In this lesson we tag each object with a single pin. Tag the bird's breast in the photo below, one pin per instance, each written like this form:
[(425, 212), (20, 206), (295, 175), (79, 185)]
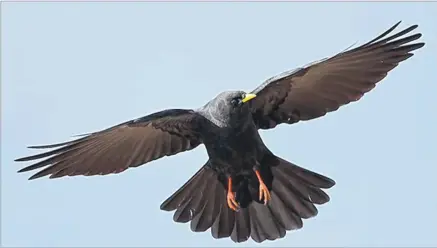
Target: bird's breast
[(236, 150)]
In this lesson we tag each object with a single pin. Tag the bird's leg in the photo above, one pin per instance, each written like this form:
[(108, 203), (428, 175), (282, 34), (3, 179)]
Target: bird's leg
[(232, 203), (264, 192)]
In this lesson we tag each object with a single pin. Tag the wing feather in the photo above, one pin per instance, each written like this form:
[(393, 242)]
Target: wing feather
[(323, 87), (115, 149)]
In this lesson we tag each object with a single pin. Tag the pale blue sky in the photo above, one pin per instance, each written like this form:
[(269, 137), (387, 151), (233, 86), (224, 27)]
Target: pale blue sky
[(74, 68)]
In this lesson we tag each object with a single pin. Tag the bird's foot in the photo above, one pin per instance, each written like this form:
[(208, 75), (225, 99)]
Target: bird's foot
[(264, 193), (232, 203)]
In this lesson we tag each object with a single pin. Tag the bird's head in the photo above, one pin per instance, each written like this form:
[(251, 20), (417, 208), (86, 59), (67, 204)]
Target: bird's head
[(230, 107), (234, 100)]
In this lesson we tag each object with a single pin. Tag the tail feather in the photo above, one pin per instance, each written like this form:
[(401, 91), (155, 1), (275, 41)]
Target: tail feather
[(310, 193), (202, 200), (224, 223), (264, 225), (193, 204), (307, 176), (182, 216), (287, 217), (299, 188), (302, 186), (206, 217), (291, 199), (294, 193), (241, 230), (255, 231), (184, 192)]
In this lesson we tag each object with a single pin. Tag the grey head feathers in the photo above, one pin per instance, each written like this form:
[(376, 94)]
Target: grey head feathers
[(226, 109)]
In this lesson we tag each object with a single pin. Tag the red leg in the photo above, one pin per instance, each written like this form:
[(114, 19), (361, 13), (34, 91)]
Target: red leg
[(232, 203), (263, 190)]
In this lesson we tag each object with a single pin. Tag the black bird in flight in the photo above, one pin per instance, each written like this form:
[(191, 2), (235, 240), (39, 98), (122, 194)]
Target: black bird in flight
[(243, 190)]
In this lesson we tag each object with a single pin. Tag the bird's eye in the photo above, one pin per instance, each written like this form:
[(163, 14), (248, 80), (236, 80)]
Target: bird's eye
[(235, 102)]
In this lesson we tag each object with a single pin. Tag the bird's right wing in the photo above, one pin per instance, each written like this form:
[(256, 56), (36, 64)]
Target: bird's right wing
[(115, 149), (323, 87)]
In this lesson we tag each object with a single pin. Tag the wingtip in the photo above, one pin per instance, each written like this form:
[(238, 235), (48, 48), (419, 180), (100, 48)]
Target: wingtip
[(19, 159), (33, 147), (23, 170), (31, 178), (165, 207), (396, 25), (332, 183), (23, 159), (42, 146), (81, 135), (412, 27)]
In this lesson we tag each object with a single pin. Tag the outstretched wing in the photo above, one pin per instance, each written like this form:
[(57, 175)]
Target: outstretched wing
[(313, 91), (115, 149)]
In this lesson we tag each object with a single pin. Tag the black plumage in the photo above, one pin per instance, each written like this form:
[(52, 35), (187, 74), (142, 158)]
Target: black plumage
[(243, 190)]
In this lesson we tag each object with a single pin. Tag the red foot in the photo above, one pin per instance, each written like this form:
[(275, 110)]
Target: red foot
[(264, 192), (232, 203)]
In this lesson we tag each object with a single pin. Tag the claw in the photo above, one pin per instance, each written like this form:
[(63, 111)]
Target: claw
[(232, 203), (264, 193)]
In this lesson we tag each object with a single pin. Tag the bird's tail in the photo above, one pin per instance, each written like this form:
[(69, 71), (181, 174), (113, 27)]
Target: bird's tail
[(295, 190), (202, 200), (294, 193)]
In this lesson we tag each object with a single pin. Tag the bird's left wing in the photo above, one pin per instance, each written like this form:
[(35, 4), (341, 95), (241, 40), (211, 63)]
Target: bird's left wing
[(313, 91), (115, 149)]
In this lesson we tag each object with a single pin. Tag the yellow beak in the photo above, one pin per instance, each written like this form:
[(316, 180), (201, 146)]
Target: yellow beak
[(248, 97)]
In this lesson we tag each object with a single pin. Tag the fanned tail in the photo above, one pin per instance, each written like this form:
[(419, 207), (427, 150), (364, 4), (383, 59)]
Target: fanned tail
[(294, 193)]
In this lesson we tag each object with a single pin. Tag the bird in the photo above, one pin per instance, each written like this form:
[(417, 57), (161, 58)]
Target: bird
[(243, 191)]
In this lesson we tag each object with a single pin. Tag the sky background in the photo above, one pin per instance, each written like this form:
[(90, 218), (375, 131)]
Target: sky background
[(72, 68)]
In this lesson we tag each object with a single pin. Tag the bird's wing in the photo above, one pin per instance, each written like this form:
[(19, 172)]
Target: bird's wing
[(313, 91), (115, 149)]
